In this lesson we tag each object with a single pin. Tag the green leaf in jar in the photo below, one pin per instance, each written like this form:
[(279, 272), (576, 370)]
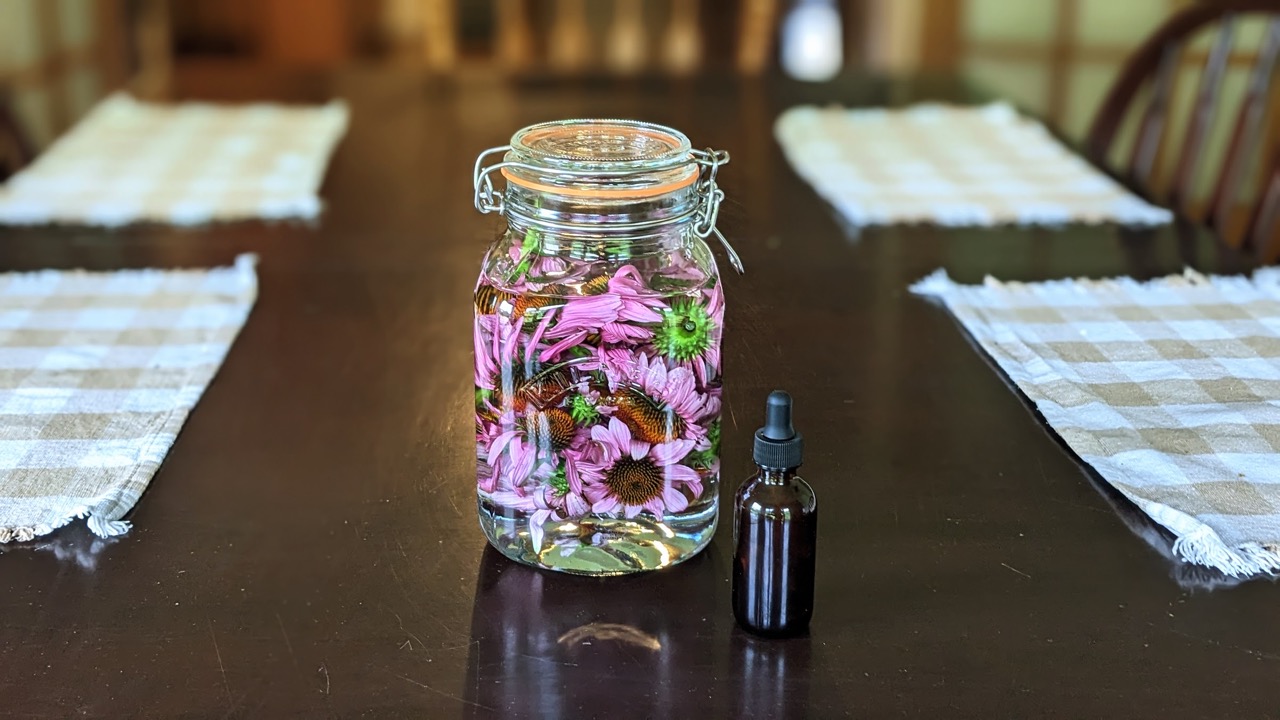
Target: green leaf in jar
[(583, 411), (528, 250), (558, 481)]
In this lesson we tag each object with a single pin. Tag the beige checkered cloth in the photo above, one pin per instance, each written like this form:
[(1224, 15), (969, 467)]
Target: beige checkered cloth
[(1170, 389), (957, 166), (97, 374), (183, 164)]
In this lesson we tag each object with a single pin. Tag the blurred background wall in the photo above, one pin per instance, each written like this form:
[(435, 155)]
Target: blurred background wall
[(1054, 58)]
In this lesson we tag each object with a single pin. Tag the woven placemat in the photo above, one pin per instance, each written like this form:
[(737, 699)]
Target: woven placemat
[(959, 166), (182, 164), (1169, 389), (98, 371)]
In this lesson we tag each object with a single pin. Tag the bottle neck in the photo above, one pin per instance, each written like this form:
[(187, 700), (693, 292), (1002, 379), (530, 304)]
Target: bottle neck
[(776, 476)]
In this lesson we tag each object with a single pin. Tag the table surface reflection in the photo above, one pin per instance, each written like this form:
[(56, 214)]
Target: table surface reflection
[(310, 548)]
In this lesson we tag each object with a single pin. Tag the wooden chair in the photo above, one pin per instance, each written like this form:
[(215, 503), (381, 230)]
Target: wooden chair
[(45, 92), (149, 27), (16, 149), (571, 41), (1156, 65)]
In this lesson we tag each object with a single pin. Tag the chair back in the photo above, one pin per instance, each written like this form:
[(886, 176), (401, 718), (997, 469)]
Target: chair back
[(57, 59), (15, 149), (613, 37), (1212, 161)]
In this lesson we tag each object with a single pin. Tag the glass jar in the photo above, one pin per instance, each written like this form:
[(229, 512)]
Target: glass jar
[(598, 318)]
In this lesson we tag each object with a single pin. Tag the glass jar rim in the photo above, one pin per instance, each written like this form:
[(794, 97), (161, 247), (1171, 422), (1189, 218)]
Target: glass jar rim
[(603, 159), (605, 145)]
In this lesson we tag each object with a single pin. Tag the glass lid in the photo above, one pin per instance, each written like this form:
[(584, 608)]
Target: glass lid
[(601, 158), (601, 145)]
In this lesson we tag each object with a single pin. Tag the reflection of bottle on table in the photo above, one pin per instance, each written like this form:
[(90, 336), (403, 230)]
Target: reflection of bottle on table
[(775, 532), (775, 677)]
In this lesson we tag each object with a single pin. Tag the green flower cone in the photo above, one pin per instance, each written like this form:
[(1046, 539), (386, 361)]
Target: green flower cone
[(685, 332)]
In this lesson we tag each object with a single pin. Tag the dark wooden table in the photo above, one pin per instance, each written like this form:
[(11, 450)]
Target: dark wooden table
[(310, 547)]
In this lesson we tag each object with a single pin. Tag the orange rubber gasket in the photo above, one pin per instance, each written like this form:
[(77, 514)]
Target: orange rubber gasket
[(605, 192)]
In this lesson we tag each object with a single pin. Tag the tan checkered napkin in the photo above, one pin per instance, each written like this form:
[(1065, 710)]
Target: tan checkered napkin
[(960, 166), (184, 164), (97, 374), (1170, 389)]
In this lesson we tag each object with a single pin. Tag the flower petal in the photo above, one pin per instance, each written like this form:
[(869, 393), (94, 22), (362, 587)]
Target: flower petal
[(537, 334), (535, 528), (486, 368), (510, 337), (620, 433), (514, 500), (571, 474), (675, 500), (627, 277), (487, 477), (682, 393), (636, 311), (710, 406), (669, 453), (501, 441), (682, 474), (594, 493), (654, 506), (630, 511), (715, 301), (605, 505), (575, 506), (655, 379), (590, 471), (588, 312), (552, 266), (621, 333), (522, 456), (562, 345), (694, 488)]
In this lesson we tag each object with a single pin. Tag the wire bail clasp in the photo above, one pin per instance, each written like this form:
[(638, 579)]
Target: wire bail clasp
[(487, 199), (711, 196)]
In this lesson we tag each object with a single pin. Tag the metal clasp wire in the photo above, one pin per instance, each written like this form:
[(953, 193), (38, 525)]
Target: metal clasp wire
[(712, 196), (488, 200)]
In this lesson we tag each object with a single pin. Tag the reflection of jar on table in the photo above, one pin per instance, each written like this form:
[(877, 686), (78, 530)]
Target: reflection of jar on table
[(555, 646)]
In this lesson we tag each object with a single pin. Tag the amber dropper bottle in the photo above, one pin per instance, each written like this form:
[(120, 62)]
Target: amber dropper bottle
[(775, 532)]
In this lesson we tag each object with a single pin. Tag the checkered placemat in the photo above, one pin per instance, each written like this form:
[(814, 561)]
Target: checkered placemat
[(1170, 389), (960, 166), (97, 374), (183, 164)]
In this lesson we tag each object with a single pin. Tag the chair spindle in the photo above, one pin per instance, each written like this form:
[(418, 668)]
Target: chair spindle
[(1146, 146), (1202, 116), (1246, 136)]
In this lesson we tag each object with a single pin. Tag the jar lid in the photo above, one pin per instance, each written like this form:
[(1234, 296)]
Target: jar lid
[(604, 162), (601, 144), (601, 158)]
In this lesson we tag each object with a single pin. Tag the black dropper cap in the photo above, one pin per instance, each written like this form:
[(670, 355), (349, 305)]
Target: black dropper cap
[(778, 445)]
